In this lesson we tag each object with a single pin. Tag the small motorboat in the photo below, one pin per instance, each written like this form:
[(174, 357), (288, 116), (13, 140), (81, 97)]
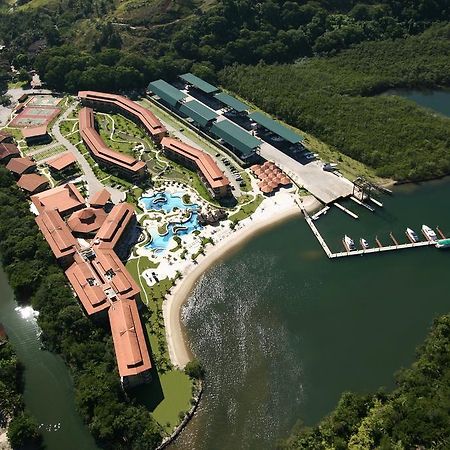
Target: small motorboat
[(364, 244), (349, 244), (429, 233), (412, 235)]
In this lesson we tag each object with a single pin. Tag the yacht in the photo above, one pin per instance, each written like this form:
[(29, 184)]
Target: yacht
[(349, 244), (364, 244), (429, 233), (412, 235), (443, 243)]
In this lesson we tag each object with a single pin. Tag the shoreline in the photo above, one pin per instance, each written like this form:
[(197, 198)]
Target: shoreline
[(179, 351)]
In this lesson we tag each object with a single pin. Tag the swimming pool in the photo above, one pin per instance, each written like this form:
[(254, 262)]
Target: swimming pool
[(164, 201), (167, 202)]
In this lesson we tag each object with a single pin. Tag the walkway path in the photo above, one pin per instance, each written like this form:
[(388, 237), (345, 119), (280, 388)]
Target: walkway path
[(93, 182)]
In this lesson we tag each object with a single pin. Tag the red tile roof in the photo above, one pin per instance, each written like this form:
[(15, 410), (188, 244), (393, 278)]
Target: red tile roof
[(129, 339), (99, 149), (63, 198), (4, 136), (86, 220), (20, 165), (150, 122), (100, 198), (62, 161), (202, 160), (31, 132), (31, 182), (8, 150), (114, 225), (56, 233)]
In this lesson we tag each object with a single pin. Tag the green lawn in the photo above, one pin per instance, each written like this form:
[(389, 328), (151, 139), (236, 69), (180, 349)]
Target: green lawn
[(177, 390), (247, 210), (49, 152)]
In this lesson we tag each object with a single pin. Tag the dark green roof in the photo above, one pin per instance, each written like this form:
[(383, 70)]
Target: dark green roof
[(198, 112), (235, 136), (199, 83), (166, 91), (276, 127), (232, 102)]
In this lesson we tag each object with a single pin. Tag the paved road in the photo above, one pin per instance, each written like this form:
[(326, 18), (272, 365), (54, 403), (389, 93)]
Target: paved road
[(94, 184), (325, 186)]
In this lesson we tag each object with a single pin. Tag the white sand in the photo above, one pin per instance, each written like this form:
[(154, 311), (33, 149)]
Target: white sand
[(263, 218)]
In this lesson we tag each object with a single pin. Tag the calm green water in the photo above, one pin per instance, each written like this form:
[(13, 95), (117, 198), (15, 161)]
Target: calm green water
[(48, 392), (282, 331), (437, 100)]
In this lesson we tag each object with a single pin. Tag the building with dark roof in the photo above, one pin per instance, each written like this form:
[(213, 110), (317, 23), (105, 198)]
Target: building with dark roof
[(166, 92), (8, 151), (200, 114), (231, 102), (117, 103), (20, 166), (127, 166), (242, 143), (198, 83), (210, 174), (276, 127), (33, 183)]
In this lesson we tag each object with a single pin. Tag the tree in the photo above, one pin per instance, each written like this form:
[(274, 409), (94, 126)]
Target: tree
[(194, 369), (23, 432)]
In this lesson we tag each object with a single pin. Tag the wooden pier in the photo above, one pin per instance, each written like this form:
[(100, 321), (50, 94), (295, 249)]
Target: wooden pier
[(351, 214), (360, 203), (380, 249)]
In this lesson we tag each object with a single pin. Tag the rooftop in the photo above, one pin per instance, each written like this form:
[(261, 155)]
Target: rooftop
[(31, 182), (200, 84), (62, 161), (20, 165), (235, 136), (204, 162), (100, 198), (198, 112), (129, 339), (31, 132), (232, 102), (8, 150), (166, 91), (87, 220), (56, 233), (276, 127), (62, 198)]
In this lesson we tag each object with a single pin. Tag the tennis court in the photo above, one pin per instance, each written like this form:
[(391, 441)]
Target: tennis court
[(40, 110), (44, 100)]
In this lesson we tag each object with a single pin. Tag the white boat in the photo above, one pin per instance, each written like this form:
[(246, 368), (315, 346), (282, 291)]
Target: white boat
[(412, 235), (429, 233), (364, 244), (349, 243)]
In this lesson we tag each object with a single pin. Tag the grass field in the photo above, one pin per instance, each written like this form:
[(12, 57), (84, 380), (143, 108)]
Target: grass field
[(49, 152), (247, 210)]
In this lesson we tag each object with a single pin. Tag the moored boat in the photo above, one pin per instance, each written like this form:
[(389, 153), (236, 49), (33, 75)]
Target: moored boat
[(443, 243), (349, 244), (412, 235), (364, 244), (429, 233)]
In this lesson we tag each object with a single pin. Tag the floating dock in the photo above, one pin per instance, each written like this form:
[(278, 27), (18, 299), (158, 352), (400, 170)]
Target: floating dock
[(380, 249), (318, 214), (347, 211), (365, 205)]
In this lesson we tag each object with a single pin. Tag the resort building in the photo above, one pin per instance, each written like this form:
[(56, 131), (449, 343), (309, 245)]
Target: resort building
[(36, 135), (20, 166), (5, 137), (126, 165), (33, 183), (193, 158), (100, 199), (8, 151), (58, 236), (96, 274), (65, 199), (62, 163), (102, 101), (271, 177), (132, 356)]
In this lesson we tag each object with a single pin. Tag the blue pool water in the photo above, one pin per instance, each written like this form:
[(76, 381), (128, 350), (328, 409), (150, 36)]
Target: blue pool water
[(163, 201), (167, 202)]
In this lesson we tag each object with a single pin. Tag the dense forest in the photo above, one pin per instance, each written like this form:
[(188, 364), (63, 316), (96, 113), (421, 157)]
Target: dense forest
[(112, 417), (163, 38), (22, 428), (416, 415), (334, 99)]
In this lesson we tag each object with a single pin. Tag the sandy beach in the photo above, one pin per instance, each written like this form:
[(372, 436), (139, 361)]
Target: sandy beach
[(179, 351)]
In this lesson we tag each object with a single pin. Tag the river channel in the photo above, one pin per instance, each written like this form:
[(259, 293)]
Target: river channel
[(48, 394)]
